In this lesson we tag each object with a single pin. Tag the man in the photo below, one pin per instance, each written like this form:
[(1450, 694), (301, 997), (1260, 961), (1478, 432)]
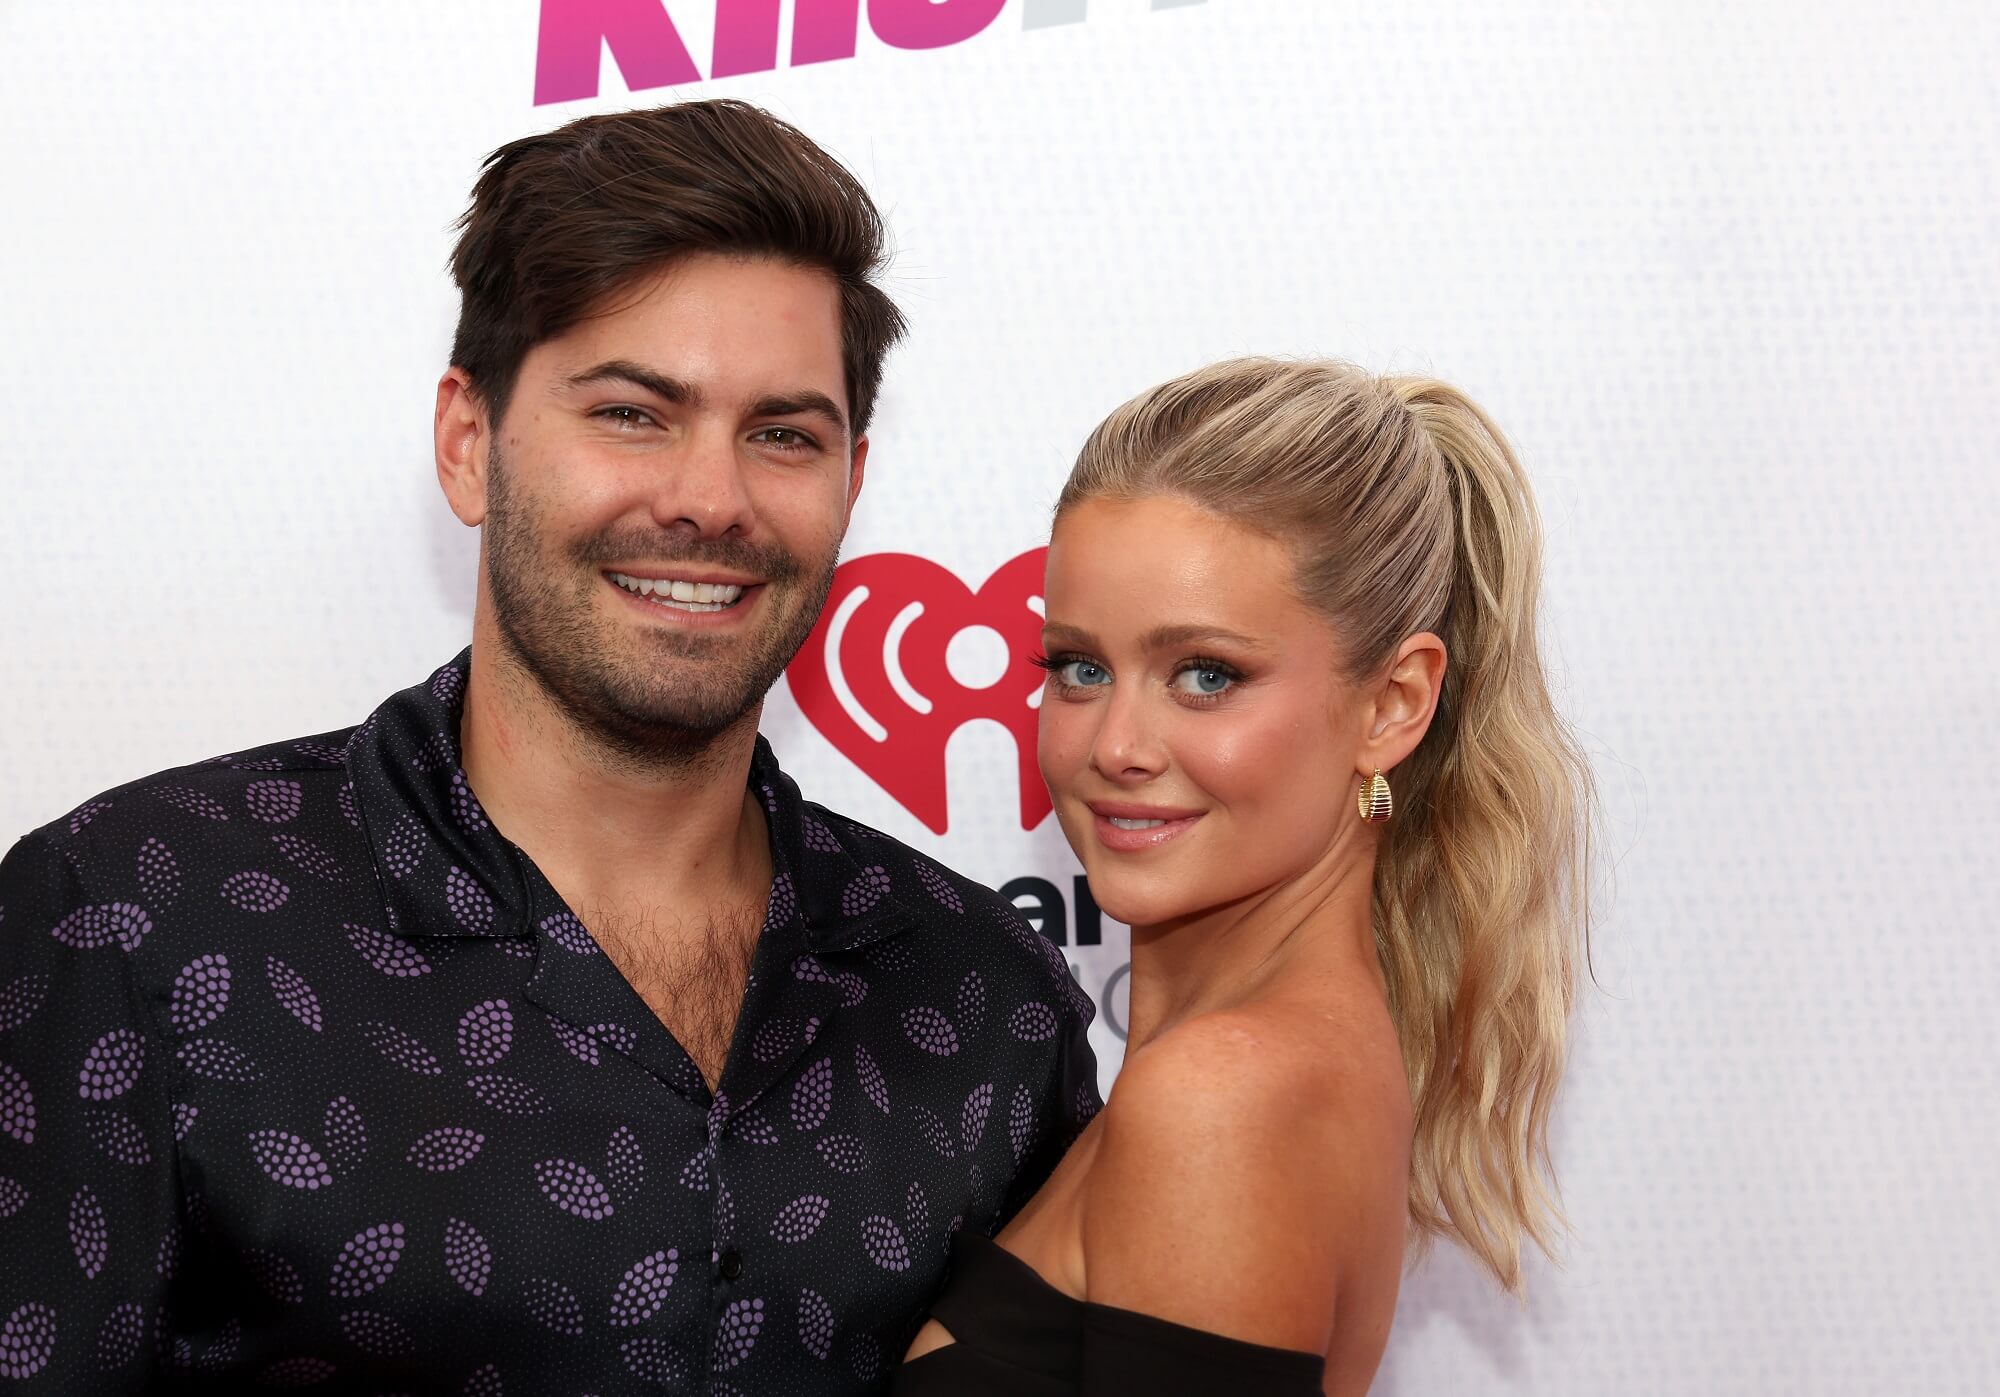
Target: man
[(535, 1035)]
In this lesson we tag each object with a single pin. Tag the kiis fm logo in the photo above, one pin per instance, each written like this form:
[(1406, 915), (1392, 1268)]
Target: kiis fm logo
[(650, 52), (905, 654)]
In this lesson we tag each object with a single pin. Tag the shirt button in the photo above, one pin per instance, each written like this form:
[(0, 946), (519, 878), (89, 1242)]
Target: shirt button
[(732, 1265)]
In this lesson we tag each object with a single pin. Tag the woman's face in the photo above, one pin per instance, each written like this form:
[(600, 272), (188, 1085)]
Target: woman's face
[(1196, 738)]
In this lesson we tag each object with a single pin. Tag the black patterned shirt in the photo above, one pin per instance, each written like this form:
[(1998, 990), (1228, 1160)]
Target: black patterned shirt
[(309, 1079)]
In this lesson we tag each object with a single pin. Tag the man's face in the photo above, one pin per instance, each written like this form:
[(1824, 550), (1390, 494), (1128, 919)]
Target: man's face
[(666, 498)]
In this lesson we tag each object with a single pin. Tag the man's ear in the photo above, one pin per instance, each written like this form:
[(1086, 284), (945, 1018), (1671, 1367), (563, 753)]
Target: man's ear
[(1403, 704), (857, 466), (461, 437)]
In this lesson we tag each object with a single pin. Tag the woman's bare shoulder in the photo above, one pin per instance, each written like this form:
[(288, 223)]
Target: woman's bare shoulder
[(1250, 1160)]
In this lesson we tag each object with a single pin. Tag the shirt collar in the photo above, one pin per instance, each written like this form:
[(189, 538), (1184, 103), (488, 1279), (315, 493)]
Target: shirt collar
[(444, 870)]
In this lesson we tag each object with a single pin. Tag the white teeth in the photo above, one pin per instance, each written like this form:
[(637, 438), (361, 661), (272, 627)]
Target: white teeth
[(1134, 824), (684, 596)]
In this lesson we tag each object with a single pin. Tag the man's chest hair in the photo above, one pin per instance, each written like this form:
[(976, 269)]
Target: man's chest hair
[(689, 969)]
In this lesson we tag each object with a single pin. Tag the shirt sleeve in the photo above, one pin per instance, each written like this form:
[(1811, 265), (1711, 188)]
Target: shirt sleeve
[(1069, 1095), (89, 1200)]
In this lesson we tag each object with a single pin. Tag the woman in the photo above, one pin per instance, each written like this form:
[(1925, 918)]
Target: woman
[(1297, 730)]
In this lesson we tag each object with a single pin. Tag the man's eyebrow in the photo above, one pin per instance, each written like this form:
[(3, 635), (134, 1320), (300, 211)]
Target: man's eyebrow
[(804, 401), (660, 385)]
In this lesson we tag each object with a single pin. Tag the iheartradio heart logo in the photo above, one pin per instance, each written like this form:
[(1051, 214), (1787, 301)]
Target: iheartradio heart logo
[(905, 654)]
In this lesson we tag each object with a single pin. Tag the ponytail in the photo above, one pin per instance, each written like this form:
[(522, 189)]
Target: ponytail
[(1480, 882)]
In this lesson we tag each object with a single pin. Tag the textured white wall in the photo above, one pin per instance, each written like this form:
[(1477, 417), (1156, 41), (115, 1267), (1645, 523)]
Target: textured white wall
[(1725, 271)]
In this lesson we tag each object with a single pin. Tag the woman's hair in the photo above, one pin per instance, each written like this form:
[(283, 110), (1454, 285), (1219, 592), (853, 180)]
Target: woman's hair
[(1408, 512)]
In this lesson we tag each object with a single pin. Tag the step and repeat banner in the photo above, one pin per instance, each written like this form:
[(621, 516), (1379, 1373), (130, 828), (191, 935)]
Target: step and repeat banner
[(1725, 272)]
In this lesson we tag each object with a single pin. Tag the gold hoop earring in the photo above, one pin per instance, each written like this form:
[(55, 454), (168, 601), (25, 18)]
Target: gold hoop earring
[(1375, 800)]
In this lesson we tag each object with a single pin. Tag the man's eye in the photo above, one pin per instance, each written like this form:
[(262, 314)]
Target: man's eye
[(1204, 681), (623, 416), (1083, 674), (784, 438)]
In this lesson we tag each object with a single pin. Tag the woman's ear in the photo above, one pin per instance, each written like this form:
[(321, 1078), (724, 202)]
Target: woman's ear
[(460, 433), (1403, 703)]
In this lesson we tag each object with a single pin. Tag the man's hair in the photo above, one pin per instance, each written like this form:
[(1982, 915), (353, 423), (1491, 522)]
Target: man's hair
[(560, 223)]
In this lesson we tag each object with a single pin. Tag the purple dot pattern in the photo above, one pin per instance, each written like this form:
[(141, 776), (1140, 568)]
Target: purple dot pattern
[(290, 1160), (308, 857), (217, 1060), (119, 1336), (815, 1324), (159, 874), (800, 1218), (345, 1136), (17, 1106), (642, 1290), (123, 924), (972, 1115), (553, 1305), (883, 1240), (574, 1189), (403, 1050), (275, 801), (117, 1135), (255, 891), (1034, 1023), (297, 1371), (391, 955), (294, 994), (441, 1145), (653, 1361), (377, 1334), (935, 1133), (20, 998), (192, 802), (201, 993), (508, 1095), (470, 904), (1021, 1121), (467, 1257), (27, 1339), (844, 1154), (87, 812), (812, 1096), (930, 1030), (737, 1334), (865, 891), (276, 1277), (112, 1066), (569, 933), (485, 1033), (448, 1148), (971, 1002), (576, 1042), (89, 1233), (367, 1261)]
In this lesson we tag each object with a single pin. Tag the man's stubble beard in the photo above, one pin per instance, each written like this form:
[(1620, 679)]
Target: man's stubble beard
[(669, 698)]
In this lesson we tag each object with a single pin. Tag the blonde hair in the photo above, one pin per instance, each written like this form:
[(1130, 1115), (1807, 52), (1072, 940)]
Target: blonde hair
[(1410, 513)]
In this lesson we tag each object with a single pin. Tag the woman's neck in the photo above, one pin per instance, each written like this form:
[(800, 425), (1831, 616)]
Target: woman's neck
[(1296, 934)]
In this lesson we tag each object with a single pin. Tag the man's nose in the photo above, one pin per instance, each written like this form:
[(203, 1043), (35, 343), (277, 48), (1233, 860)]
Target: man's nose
[(704, 490)]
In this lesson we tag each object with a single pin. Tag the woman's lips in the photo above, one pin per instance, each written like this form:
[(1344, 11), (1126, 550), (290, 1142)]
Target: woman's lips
[(1135, 828)]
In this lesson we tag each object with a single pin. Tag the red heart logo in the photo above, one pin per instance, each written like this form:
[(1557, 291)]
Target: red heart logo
[(905, 654)]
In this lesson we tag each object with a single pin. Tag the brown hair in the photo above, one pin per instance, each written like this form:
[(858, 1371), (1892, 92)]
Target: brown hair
[(1408, 512), (561, 222)]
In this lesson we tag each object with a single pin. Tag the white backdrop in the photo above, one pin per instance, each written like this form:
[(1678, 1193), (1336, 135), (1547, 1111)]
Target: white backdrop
[(1726, 272)]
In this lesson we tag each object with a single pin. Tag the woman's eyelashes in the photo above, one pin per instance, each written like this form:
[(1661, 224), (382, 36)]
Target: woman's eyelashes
[(1195, 680)]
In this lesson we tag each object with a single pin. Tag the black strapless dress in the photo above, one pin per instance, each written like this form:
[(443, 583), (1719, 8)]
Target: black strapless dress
[(1018, 1336)]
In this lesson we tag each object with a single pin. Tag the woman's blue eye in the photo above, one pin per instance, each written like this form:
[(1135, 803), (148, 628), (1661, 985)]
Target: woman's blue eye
[(1083, 674), (1205, 682)]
